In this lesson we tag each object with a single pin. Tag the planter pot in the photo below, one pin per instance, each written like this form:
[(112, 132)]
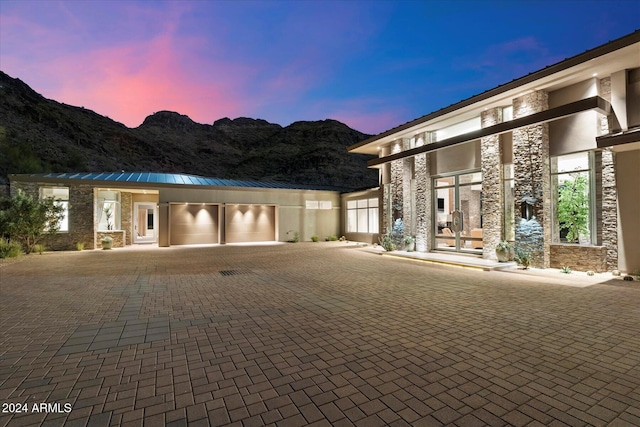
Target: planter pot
[(503, 255), (107, 244)]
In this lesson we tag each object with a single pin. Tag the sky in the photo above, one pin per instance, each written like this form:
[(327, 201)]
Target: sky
[(370, 64)]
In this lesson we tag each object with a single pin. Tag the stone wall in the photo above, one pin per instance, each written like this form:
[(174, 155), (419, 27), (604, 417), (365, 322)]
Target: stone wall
[(579, 258), (492, 185), (118, 236), (126, 212), (609, 212), (424, 229), (531, 178)]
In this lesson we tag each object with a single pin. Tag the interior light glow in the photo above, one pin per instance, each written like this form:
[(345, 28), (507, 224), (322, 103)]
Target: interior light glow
[(594, 74)]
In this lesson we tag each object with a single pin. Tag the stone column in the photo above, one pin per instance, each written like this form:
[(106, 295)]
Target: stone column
[(386, 196), (492, 187), (532, 179), (422, 173), (609, 209), (397, 193), (407, 176)]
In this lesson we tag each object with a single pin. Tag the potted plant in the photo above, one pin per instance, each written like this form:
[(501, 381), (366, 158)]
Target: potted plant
[(409, 244), (503, 251), (107, 242)]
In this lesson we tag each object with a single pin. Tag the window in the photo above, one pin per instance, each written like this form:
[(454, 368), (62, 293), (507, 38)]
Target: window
[(509, 203), (362, 216), (572, 191), (61, 196), (318, 204), (458, 129), (109, 214)]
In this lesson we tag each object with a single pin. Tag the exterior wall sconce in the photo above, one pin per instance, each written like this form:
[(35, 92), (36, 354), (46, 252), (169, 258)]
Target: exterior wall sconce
[(526, 207)]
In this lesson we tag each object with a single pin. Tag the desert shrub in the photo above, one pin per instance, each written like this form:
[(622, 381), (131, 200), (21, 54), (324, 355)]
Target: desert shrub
[(80, 246), (39, 248), (331, 238), (9, 249), (27, 220), (315, 238), (523, 257), (387, 243)]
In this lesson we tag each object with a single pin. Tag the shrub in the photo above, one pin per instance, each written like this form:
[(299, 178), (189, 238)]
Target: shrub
[(80, 246), (9, 249), (387, 243), (565, 270), (523, 257), (315, 238), (331, 238), (26, 220), (39, 248)]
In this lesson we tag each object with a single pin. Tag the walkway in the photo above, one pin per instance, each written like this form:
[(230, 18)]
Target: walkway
[(309, 334)]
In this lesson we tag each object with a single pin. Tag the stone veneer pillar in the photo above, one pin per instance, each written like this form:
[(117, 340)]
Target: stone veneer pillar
[(126, 213), (397, 191), (609, 208), (492, 185), (424, 228), (532, 179)]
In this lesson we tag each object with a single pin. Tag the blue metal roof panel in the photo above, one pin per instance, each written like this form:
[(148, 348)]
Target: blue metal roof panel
[(178, 179)]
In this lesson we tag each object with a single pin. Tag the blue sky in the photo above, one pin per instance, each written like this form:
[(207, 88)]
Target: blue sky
[(370, 64)]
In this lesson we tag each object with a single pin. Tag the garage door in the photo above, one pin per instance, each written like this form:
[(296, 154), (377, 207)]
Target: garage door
[(250, 223), (193, 224)]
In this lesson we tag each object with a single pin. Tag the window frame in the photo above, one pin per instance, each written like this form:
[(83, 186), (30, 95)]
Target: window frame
[(359, 210), (64, 222), (554, 187)]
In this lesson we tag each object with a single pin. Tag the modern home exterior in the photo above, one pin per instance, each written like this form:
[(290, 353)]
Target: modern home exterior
[(549, 161), (176, 209)]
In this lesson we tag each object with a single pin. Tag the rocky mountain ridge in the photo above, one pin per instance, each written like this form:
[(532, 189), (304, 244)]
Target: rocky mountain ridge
[(42, 135)]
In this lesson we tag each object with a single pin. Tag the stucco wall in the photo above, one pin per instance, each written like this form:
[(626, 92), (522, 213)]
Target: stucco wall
[(628, 177)]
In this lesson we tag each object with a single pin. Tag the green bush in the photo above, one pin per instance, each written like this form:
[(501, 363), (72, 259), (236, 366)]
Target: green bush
[(523, 257), (387, 243), (9, 249), (80, 246), (27, 220), (39, 248), (315, 238), (331, 238)]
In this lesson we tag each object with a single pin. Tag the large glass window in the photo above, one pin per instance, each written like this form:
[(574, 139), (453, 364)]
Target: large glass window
[(572, 193), (362, 216), (61, 196), (109, 210)]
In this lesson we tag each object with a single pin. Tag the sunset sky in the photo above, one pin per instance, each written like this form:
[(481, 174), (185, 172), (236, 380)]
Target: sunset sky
[(370, 64)]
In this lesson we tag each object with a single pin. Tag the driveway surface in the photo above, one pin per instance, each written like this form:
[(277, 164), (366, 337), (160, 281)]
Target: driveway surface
[(299, 334)]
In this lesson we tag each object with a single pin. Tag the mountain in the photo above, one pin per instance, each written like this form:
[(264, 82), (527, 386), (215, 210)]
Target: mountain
[(42, 135)]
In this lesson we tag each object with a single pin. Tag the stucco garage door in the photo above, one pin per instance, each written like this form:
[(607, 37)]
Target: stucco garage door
[(193, 224), (250, 223)]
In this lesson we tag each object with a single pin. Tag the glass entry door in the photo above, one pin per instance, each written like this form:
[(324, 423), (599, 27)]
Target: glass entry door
[(145, 223), (458, 212)]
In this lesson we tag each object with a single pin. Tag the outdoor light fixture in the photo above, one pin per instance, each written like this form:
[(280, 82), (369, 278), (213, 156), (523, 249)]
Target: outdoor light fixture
[(526, 207)]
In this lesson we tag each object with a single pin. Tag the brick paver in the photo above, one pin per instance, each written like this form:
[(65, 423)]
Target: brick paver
[(301, 334)]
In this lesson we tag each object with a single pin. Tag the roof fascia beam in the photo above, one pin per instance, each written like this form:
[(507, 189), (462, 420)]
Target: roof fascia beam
[(593, 103)]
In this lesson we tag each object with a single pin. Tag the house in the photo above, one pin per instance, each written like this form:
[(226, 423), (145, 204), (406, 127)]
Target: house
[(175, 209), (548, 161)]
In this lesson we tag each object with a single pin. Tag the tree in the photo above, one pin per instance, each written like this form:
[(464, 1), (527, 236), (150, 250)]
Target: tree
[(573, 206), (27, 220)]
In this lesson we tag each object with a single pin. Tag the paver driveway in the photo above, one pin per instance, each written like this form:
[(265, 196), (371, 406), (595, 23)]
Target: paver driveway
[(308, 333)]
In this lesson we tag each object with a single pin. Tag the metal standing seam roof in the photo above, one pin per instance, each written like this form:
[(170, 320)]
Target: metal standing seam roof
[(176, 179)]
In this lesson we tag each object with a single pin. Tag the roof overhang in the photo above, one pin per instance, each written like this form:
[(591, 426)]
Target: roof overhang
[(623, 141), (594, 103), (619, 54)]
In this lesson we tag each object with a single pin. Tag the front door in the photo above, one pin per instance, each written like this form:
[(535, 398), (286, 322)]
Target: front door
[(458, 212), (145, 223)]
